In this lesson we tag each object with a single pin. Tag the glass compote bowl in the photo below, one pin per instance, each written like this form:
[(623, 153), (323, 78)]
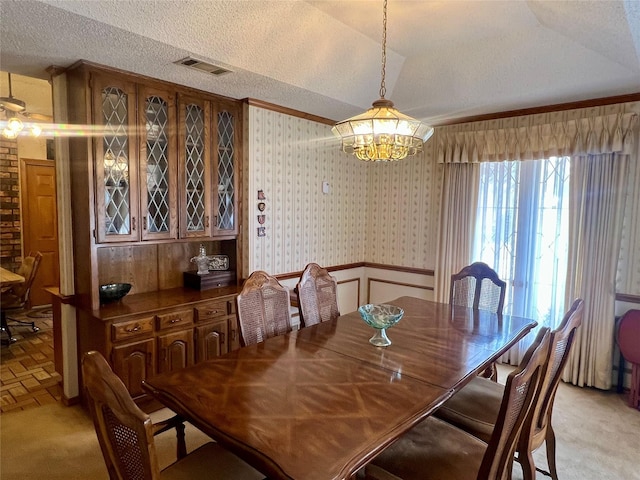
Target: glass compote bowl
[(380, 317)]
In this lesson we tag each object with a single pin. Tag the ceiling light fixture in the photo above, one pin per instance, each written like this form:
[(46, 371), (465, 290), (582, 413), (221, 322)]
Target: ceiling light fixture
[(13, 126), (382, 133)]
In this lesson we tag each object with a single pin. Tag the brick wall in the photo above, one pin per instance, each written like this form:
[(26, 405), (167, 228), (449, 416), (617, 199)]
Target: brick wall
[(10, 226)]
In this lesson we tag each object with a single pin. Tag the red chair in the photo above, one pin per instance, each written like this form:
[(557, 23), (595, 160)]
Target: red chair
[(629, 344)]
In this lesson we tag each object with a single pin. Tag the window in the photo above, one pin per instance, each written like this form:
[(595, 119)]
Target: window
[(522, 232)]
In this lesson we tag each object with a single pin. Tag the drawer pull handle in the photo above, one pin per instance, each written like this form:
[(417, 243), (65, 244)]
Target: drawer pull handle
[(175, 320), (137, 328), (212, 312)]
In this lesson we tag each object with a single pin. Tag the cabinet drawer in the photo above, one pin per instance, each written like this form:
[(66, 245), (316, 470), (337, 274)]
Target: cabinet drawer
[(211, 310), (131, 329), (176, 319)]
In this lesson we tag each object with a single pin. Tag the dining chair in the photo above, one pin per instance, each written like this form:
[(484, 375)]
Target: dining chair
[(628, 338), (478, 286), (16, 298), (475, 408), (317, 296), (437, 450), (262, 309), (126, 435)]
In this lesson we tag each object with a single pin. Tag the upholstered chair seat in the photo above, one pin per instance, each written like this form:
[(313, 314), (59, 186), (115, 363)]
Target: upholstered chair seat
[(438, 449)]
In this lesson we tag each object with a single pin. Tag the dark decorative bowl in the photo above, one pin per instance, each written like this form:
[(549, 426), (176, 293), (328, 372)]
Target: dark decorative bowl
[(112, 292), (380, 317)]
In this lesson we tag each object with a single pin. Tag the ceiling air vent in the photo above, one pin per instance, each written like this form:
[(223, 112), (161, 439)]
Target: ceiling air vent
[(202, 66)]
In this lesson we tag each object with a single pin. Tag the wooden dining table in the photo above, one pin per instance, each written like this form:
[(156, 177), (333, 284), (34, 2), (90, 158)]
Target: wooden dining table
[(9, 278), (320, 402)]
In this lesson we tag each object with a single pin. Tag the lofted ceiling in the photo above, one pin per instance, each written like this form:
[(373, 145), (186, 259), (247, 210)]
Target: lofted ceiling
[(446, 59)]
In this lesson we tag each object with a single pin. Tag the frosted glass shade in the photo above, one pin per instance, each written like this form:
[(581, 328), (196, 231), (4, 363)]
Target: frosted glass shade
[(382, 134)]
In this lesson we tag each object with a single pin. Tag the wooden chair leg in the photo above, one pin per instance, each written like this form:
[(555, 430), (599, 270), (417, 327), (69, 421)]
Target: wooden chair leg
[(550, 441), (182, 446), (527, 464), (491, 372)]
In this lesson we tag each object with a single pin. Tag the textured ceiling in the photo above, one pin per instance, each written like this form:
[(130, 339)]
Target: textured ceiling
[(446, 59)]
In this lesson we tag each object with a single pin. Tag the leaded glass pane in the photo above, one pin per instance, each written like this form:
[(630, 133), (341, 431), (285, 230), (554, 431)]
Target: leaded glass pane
[(225, 171), (115, 147), (156, 111), (194, 167)]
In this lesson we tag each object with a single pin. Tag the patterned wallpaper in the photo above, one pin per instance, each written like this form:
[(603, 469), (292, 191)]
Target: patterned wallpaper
[(382, 213), (289, 158), (403, 211)]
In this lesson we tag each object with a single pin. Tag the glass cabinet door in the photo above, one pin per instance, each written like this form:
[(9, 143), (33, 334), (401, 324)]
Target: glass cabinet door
[(158, 164), (226, 120), (194, 155), (115, 161)]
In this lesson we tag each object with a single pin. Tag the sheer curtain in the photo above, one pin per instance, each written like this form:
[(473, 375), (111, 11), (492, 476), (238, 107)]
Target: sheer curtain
[(521, 231)]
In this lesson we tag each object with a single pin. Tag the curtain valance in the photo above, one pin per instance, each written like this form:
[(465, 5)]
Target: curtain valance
[(613, 133)]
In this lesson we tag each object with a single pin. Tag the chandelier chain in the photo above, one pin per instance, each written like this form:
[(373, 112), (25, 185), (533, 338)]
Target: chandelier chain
[(383, 87)]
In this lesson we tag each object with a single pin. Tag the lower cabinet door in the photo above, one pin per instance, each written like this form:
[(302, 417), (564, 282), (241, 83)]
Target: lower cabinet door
[(211, 340), (234, 334), (175, 351), (133, 363)]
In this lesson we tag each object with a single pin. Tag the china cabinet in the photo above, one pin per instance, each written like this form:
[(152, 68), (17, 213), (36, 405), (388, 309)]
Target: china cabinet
[(156, 175)]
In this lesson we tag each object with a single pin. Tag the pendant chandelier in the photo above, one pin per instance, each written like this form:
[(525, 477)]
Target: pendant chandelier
[(382, 133)]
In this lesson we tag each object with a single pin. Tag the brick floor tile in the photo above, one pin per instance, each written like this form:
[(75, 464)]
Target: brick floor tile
[(17, 369), (18, 391), (9, 385), (31, 384), (45, 398), (26, 403), (6, 375), (42, 375), (6, 399)]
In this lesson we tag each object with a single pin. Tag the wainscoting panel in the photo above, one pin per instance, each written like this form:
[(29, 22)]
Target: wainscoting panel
[(384, 285), (381, 291), (349, 295)]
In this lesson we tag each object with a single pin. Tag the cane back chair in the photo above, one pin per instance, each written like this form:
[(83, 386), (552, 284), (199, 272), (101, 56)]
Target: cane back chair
[(478, 286), (317, 296), (262, 309), (475, 408)]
